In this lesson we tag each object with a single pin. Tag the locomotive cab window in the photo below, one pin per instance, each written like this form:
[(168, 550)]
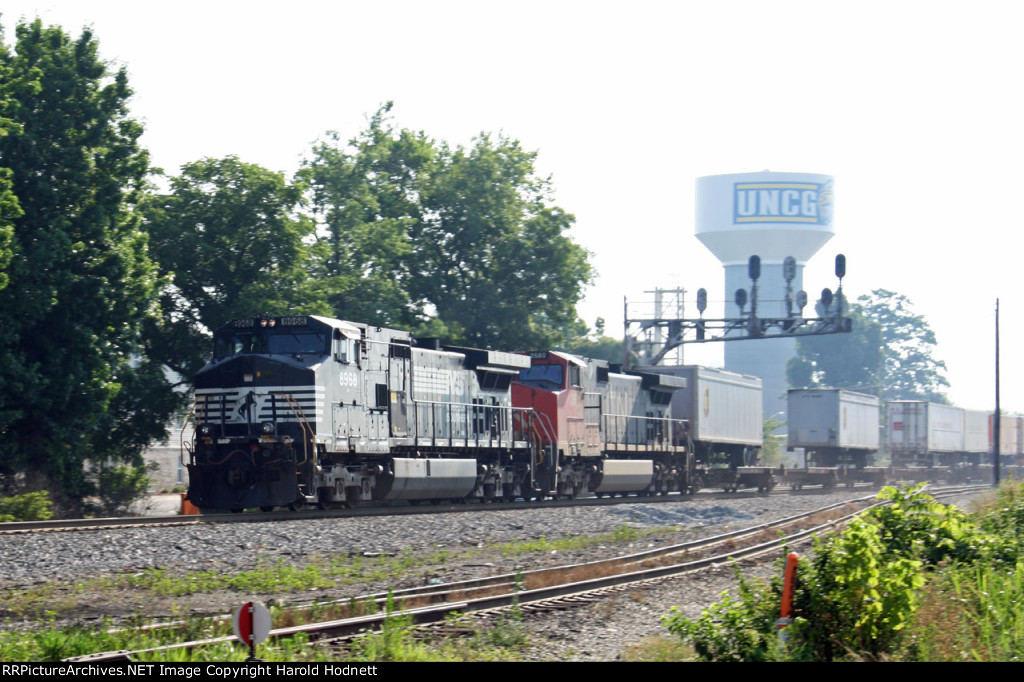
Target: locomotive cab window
[(270, 342), (344, 349), (287, 342), (236, 343), (548, 377)]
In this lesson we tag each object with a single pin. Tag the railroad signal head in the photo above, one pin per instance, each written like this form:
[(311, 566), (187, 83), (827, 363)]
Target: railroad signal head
[(840, 266), (801, 299), (754, 268), (789, 269), (826, 296), (741, 298), (702, 300)]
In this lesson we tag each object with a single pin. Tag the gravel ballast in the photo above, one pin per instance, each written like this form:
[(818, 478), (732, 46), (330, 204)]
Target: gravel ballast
[(599, 632)]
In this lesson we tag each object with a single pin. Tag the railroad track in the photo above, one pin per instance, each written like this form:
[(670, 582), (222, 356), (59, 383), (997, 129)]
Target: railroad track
[(558, 587), (64, 525)]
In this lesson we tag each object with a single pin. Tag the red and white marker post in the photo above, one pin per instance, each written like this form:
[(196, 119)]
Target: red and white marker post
[(251, 625)]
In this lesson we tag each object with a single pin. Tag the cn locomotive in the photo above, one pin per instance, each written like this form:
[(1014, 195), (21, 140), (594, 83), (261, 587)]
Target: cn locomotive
[(299, 410)]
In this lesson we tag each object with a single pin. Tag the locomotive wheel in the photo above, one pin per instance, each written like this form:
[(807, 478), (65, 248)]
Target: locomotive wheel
[(351, 497), (266, 509), (237, 510)]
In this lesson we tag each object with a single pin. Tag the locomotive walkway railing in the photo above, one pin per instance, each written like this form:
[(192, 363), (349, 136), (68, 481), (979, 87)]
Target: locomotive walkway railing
[(628, 432), (466, 424)]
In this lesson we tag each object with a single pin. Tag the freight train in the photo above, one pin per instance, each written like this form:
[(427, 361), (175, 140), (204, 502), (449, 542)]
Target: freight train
[(308, 410)]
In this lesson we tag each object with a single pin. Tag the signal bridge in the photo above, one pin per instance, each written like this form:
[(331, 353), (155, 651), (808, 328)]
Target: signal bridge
[(650, 339)]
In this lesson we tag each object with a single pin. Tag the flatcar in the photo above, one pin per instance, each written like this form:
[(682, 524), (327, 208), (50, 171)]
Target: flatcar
[(933, 441)]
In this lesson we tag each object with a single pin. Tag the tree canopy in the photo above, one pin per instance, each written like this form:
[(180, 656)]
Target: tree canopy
[(228, 243), (460, 243), (109, 287), (73, 382), (889, 353), (365, 197)]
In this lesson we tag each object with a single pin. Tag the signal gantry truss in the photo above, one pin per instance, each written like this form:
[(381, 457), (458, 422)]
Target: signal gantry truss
[(655, 337)]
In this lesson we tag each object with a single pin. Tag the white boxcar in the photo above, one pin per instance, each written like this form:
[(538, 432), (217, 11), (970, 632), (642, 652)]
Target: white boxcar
[(721, 406), (919, 427), (832, 418)]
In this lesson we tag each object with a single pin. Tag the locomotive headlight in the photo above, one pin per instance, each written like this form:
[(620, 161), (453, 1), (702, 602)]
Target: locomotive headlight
[(267, 427), (205, 430)]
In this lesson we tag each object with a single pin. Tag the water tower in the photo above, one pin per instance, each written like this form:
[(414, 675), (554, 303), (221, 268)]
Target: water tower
[(772, 215)]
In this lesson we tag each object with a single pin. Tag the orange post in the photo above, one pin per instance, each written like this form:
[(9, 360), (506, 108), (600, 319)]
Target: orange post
[(788, 585)]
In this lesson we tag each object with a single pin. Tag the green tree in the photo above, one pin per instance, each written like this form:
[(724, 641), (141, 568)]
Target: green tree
[(889, 353), (79, 283), (460, 244), (365, 198), (9, 208), (853, 361), (492, 254), (229, 243), (910, 369)]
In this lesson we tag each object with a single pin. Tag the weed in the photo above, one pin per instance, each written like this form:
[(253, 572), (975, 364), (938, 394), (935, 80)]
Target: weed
[(659, 650)]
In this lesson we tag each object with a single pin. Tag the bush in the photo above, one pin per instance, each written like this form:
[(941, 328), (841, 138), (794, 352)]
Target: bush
[(27, 507), (118, 486), (855, 594), (735, 629)]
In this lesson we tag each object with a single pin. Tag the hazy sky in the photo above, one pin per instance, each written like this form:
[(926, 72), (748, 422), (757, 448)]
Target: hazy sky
[(914, 107)]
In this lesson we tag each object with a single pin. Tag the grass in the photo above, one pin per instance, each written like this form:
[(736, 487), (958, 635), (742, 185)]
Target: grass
[(659, 650), (621, 535), (500, 640)]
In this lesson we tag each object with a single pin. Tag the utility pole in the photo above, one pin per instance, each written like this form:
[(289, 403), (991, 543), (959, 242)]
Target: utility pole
[(996, 426)]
